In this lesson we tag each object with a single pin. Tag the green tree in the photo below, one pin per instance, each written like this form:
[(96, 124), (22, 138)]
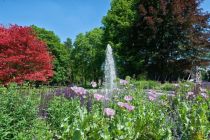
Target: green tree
[(161, 37), (61, 55), (118, 25), (69, 46), (88, 56), (68, 43)]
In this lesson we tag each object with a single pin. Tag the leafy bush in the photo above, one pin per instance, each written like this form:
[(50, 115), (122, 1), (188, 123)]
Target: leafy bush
[(17, 113), (168, 87), (147, 84), (59, 108), (39, 131)]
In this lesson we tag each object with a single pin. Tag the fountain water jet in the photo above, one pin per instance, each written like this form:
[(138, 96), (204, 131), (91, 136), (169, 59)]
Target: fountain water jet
[(110, 72)]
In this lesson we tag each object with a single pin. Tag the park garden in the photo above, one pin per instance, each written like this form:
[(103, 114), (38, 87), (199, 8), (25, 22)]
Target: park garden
[(143, 75)]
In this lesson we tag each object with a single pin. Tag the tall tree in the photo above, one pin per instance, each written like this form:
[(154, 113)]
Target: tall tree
[(88, 56), (68, 43), (118, 25), (69, 46), (173, 36), (164, 37), (61, 55), (23, 57), (81, 57)]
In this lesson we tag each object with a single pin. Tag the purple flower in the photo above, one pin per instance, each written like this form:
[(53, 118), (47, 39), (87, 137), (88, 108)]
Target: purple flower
[(128, 98), (106, 99), (204, 95), (152, 95), (98, 97), (129, 107), (121, 104), (79, 90), (152, 98), (94, 84), (109, 112), (123, 82), (126, 105)]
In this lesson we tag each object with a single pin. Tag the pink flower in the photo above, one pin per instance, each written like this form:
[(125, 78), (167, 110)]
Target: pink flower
[(152, 95), (94, 84), (79, 90), (128, 98), (121, 104), (129, 107), (204, 95), (152, 98), (123, 82), (109, 112), (126, 105), (98, 97)]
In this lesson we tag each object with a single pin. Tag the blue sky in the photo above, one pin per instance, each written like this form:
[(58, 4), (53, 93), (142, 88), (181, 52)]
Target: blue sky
[(66, 18)]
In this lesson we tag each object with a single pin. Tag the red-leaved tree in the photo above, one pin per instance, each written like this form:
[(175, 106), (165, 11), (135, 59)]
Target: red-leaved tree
[(23, 57)]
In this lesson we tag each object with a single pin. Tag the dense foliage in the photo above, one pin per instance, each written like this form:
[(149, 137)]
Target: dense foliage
[(22, 56), (19, 114), (118, 29), (159, 37), (61, 54), (136, 111), (88, 56)]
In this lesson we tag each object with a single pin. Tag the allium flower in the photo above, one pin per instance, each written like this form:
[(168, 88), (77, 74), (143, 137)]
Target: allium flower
[(152, 98), (98, 97), (204, 95), (128, 98), (94, 84), (152, 95), (121, 104), (79, 90), (129, 107), (126, 105), (123, 82), (109, 112)]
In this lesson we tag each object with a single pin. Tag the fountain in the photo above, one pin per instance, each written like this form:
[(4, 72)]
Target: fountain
[(110, 72)]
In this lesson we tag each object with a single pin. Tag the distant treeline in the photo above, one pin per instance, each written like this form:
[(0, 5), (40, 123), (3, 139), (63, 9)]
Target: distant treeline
[(152, 39)]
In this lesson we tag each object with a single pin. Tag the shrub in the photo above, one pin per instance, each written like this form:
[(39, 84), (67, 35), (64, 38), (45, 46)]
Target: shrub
[(17, 114)]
